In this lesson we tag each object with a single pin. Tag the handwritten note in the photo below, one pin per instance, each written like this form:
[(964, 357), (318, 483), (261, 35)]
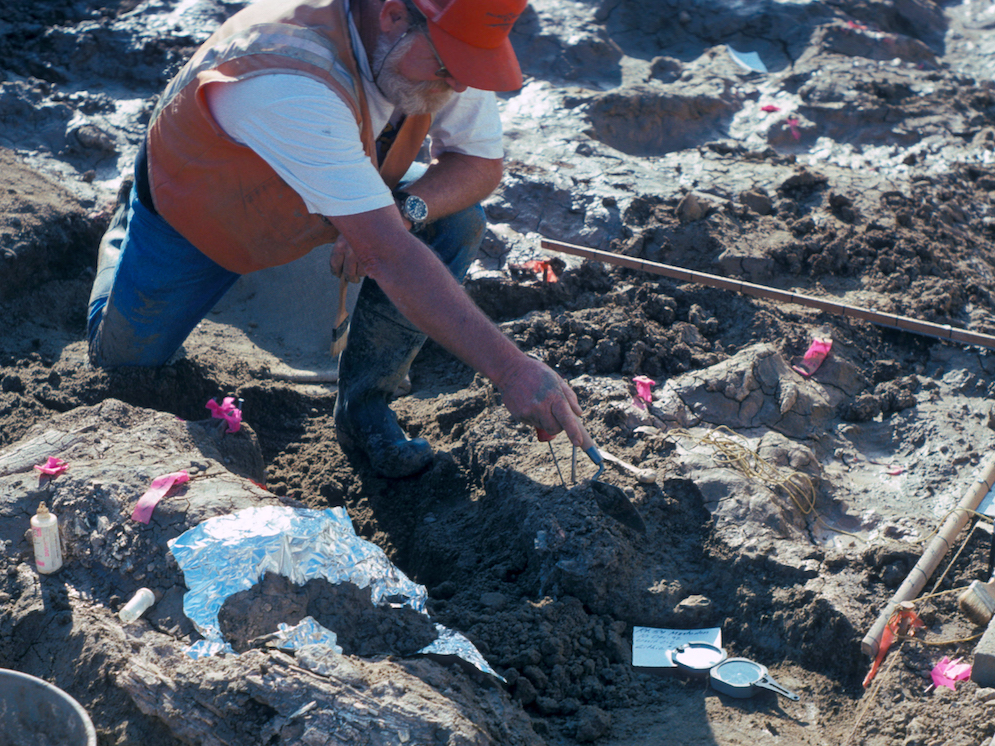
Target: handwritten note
[(651, 646)]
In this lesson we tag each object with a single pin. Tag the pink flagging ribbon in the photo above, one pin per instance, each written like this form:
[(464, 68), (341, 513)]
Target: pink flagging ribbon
[(948, 672), (813, 358), (160, 486), (644, 391), (227, 411), (53, 467)]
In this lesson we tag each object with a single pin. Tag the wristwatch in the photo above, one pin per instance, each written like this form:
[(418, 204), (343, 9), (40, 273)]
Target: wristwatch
[(412, 208)]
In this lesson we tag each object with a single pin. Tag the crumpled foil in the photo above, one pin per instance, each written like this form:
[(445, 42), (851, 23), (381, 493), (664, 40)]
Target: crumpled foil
[(228, 554), (308, 631)]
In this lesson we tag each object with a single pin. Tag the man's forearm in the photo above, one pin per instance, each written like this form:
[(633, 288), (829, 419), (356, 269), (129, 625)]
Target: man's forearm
[(455, 181), (436, 304), (430, 298)]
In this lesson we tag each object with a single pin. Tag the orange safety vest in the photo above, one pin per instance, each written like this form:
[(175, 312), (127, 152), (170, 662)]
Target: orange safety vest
[(217, 193)]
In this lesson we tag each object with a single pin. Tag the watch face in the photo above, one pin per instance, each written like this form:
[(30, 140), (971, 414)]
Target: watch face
[(415, 209)]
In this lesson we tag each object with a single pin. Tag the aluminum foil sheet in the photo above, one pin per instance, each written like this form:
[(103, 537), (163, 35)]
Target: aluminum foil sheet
[(306, 632), (228, 554)]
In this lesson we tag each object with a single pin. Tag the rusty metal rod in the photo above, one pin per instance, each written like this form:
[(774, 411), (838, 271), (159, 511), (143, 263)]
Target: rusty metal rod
[(902, 323)]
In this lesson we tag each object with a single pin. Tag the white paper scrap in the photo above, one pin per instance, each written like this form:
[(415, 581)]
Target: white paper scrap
[(747, 60)]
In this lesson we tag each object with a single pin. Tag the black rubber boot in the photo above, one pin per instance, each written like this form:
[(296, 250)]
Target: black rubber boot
[(380, 348)]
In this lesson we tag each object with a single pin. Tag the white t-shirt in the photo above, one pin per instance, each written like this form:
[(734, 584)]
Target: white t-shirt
[(309, 136)]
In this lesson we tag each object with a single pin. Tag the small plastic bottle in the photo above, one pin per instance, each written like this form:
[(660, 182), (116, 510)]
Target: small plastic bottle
[(137, 606), (45, 537)]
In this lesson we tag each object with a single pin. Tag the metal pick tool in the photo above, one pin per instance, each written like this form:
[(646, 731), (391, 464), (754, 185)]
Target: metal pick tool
[(544, 436)]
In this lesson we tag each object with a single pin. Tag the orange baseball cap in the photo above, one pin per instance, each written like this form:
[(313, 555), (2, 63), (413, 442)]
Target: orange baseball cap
[(471, 37)]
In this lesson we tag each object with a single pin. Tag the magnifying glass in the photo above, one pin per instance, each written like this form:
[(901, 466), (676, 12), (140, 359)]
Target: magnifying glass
[(742, 678)]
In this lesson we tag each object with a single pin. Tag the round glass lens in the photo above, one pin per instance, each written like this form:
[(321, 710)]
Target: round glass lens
[(739, 672)]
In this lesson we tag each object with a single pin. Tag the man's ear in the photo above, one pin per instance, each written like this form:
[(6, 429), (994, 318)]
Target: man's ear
[(392, 14)]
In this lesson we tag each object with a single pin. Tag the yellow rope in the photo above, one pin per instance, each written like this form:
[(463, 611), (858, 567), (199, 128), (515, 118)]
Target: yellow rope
[(941, 643), (735, 455)]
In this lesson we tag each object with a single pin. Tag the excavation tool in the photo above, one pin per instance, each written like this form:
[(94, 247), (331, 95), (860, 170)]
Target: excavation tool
[(696, 659), (548, 440), (611, 499), (742, 678), (978, 602), (736, 677)]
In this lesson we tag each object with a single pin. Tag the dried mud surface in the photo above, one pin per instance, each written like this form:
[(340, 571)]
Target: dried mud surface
[(871, 182)]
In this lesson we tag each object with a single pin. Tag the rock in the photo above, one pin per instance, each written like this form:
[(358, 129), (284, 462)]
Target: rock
[(525, 691), (444, 590), (692, 611), (751, 389), (692, 208), (758, 201), (494, 600), (592, 723)]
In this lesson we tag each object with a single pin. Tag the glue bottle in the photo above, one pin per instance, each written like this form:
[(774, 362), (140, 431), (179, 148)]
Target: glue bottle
[(45, 537)]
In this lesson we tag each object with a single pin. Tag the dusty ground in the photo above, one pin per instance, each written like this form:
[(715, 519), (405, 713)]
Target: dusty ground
[(860, 168)]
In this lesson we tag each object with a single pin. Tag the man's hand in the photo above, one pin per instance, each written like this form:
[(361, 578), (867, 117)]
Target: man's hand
[(344, 263), (536, 395)]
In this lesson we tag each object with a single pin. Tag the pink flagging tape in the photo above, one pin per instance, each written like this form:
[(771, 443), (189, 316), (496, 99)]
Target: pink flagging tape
[(817, 352), (158, 489)]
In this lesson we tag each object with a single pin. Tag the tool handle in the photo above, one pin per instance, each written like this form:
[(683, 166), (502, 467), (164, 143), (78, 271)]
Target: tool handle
[(342, 313), (768, 683), (588, 447), (543, 436)]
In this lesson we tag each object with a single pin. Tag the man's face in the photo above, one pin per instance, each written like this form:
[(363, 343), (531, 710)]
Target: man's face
[(424, 94)]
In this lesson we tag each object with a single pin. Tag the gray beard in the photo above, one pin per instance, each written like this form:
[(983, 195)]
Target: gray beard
[(410, 97)]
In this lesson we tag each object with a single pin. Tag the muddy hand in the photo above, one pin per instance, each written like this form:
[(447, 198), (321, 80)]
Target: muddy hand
[(343, 261), (536, 395)]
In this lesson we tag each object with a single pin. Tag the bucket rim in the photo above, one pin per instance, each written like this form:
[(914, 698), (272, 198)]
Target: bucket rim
[(91, 733)]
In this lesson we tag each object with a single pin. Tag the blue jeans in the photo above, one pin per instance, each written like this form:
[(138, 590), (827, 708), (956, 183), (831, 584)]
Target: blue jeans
[(143, 306)]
